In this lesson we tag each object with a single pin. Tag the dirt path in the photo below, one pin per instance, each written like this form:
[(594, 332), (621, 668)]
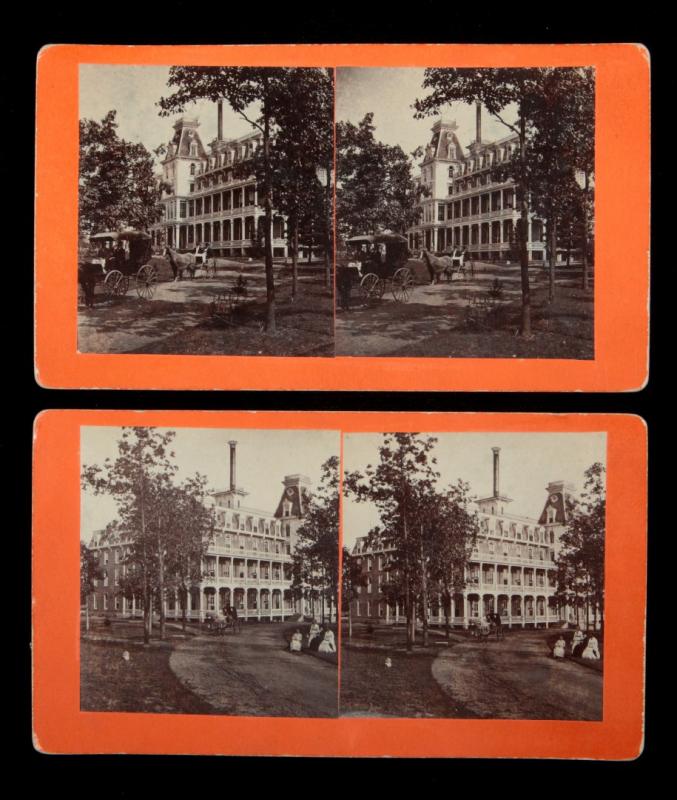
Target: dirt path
[(431, 323), (253, 674), (517, 679)]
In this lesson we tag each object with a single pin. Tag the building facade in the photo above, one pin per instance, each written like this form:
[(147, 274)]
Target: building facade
[(464, 205), (512, 568), (247, 565), (212, 199)]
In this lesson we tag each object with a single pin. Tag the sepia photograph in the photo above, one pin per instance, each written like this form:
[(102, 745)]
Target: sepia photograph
[(465, 212), (206, 210), (473, 578), (209, 571)]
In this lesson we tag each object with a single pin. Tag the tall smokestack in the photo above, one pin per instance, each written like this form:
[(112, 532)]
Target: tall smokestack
[(233, 484), (496, 451), (478, 123), (219, 109)]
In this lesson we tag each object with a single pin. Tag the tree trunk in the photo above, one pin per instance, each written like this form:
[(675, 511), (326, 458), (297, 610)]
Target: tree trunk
[(424, 594), (524, 232), (407, 588), (295, 257), (268, 230), (552, 238), (350, 619), (184, 601), (584, 241), (447, 612), (327, 238), (87, 612), (161, 596)]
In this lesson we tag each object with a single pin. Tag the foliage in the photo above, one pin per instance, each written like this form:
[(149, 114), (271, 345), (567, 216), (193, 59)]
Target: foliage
[(426, 533), (117, 183), (165, 527), (315, 560), (375, 188), (580, 562), (90, 571)]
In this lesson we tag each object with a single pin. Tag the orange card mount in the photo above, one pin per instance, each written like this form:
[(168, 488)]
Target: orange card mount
[(98, 689), (460, 333)]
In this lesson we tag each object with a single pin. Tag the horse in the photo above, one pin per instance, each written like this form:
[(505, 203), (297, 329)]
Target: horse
[(87, 277), (180, 263), (438, 265)]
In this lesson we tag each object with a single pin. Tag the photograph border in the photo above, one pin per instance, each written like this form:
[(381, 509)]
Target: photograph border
[(60, 727), (621, 233)]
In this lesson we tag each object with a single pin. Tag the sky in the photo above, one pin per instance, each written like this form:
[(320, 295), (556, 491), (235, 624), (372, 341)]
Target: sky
[(390, 92), (528, 462), (264, 457), (133, 92)]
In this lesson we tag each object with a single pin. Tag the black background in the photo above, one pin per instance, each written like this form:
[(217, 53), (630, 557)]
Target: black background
[(214, 23)]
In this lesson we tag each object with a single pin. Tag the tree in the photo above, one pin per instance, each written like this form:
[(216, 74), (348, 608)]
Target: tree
[(90, 573), (580, 562), (561, 144), (315, 567), (496, 90), (117, 182), (160, 521), (352, 580), (397, 487), (453, 533), (375, 187), (269, 89), (304, 144), (189, 537)]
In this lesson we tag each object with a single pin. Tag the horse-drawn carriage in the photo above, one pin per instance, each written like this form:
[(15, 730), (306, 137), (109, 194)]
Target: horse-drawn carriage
[(372, 261), (112, 260)]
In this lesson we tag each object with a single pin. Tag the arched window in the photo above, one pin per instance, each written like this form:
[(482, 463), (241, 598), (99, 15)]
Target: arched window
[(192, 169)]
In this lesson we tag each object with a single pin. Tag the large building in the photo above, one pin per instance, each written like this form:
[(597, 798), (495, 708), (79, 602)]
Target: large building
[(247, 565), (512, 568), (212, 197), (463, 205)]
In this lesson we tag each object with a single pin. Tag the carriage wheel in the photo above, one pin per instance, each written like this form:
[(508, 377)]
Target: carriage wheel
[(146, 279), (371, 288), (403, 284), (114, 284)]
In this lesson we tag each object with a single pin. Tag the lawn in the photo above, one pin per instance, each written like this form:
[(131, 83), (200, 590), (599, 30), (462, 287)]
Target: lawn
[(405, 689), (143, 683), (305, 327)]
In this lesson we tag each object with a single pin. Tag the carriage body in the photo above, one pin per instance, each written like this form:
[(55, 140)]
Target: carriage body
[(373, 262), (113, 259)]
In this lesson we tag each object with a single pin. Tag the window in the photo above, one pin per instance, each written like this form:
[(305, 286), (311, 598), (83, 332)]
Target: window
[(192, 169)]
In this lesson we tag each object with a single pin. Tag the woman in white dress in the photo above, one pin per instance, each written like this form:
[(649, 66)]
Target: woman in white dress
[(591, 648), (314, 632), (327, 645), (296, 641), (558, 650)]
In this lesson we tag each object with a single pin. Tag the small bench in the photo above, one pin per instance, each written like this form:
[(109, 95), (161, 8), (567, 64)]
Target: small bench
[(226, 302), (481, 308)]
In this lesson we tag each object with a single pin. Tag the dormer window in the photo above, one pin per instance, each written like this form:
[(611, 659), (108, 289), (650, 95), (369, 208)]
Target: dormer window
[(193, 149)]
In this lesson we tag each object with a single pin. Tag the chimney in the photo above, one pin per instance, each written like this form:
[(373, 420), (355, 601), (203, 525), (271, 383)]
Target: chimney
[(478, 123), (219, 109), (233, 484), (496, 451)]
